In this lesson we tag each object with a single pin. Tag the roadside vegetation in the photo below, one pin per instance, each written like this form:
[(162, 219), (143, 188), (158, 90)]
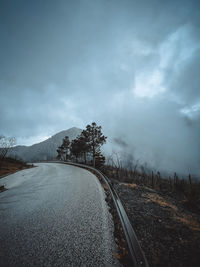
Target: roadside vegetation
[(6, 144), (11, 165), (185, 188)]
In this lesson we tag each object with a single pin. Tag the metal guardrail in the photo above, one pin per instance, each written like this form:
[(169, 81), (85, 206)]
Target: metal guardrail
[(136, 253)]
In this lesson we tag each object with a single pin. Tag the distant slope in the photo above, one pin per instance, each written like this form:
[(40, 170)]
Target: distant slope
[(45, 150)]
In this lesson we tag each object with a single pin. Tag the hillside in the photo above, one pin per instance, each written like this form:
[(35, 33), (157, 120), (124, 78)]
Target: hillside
[(45, 150)]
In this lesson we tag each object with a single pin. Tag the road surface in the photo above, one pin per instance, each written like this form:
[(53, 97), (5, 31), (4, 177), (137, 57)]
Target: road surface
[(55, 215)]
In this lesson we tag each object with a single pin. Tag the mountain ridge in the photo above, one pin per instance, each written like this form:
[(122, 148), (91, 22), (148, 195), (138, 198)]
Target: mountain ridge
[(45, 150)]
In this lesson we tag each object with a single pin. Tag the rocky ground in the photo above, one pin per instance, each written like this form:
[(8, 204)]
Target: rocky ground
[(168, 232)]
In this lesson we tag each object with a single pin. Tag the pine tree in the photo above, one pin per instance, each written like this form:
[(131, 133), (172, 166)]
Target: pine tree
[(63, 150), (94, 139), (66, 146), (60, 153), (75, 149), (79, 147)]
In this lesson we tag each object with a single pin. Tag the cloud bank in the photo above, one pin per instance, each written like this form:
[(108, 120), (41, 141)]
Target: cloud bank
[(131, 66)]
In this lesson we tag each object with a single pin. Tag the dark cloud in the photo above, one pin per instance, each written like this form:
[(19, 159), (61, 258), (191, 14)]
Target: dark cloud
[(132, 66)]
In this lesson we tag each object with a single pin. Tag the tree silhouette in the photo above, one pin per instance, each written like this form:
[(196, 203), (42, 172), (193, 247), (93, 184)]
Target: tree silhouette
[(63, 150), (94, 139), (75, 149)]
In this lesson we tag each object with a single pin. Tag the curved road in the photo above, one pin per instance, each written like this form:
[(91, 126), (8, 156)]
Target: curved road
[(55, 215)]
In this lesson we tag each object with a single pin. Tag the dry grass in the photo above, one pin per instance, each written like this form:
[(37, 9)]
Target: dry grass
[(187, 189), (9, 166), (130, 185), (160, 201), (188, 221), (168, 232), (183, 218), (105, 187)]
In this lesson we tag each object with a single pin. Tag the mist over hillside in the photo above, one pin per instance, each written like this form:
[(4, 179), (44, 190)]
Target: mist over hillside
[(172, 146), (120, 148), (45, 150)]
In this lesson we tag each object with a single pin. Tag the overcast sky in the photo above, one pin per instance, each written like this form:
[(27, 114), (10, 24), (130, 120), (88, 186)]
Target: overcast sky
[(131, 66)]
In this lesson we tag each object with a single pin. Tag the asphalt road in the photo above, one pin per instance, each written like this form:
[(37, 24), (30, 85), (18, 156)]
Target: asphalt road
[(55, 215)]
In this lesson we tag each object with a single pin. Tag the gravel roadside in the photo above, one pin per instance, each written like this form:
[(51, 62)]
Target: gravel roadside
[(168, 233)]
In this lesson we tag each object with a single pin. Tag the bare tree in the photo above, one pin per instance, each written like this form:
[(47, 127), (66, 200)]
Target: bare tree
[(6, 143)]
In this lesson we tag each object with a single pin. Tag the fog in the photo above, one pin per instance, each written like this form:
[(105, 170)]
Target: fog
[(130, 66)]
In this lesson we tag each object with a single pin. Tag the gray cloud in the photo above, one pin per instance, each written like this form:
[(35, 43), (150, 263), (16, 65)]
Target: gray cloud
[(132, 66)]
